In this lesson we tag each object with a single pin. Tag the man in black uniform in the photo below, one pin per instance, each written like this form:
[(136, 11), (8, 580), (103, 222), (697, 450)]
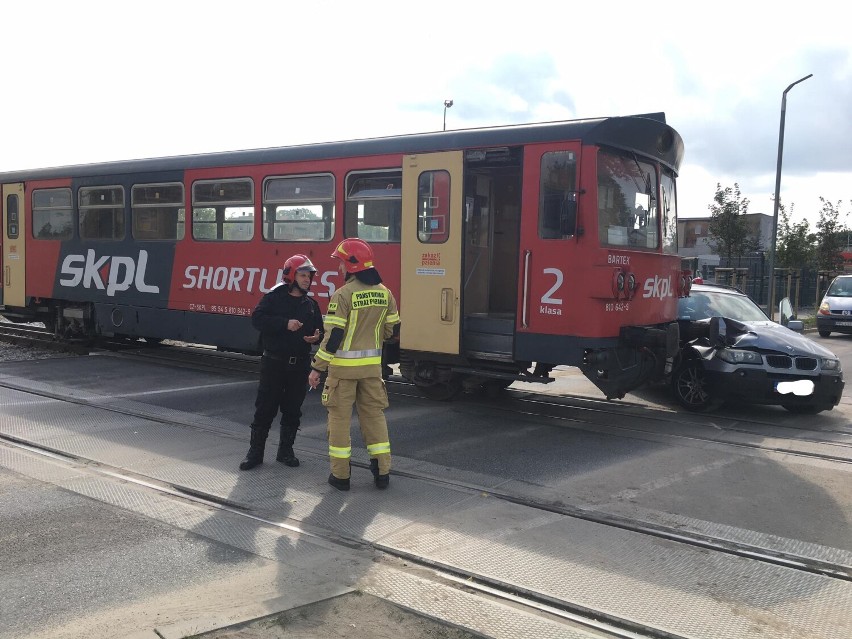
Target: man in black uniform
[(289, 322)]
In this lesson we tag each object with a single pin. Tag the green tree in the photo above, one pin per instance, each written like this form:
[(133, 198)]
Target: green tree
[(795, 244), (728, 227), (830, 237)]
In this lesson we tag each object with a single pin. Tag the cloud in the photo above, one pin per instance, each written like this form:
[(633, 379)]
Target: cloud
[(741, 137), (511, 88)]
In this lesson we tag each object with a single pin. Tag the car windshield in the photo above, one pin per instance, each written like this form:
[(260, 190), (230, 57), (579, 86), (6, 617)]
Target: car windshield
[(705, 304), (841, 287)]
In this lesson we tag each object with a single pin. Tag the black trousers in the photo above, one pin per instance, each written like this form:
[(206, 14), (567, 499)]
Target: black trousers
[(283, 387)]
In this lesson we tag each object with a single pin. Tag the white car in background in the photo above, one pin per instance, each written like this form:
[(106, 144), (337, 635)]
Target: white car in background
[(835, 312)]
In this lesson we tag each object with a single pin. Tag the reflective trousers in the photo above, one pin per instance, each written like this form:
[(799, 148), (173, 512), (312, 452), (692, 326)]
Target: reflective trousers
[(370, 399)]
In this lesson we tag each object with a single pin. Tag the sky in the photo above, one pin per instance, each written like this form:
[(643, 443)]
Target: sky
[(93, 81)]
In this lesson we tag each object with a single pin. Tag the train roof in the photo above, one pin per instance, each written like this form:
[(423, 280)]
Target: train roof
[(628, 132)]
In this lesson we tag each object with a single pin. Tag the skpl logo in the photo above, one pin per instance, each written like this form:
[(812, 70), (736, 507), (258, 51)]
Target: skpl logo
[(658, 287), (113, 272)]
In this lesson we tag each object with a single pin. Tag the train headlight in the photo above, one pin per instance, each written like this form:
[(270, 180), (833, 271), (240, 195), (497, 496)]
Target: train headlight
[(617, 283)]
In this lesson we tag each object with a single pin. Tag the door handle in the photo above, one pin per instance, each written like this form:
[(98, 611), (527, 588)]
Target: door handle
[(526, 280), (447, 305), (8, 276)]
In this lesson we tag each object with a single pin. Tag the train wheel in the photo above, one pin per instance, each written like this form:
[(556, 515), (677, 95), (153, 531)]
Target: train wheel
[(689, 385), (493, 388), (441, 391), (50, 324)]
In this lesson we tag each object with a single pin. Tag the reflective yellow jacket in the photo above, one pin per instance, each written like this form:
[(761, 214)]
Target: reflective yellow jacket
[(360, 318)]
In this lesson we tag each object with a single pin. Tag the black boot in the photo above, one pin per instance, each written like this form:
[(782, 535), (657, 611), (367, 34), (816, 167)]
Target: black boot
[(382, 481), (340, 484), (286, 455), (254, 457), (285, 446)]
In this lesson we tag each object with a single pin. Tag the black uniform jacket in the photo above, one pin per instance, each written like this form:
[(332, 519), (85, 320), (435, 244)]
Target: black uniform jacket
[(274, 310)]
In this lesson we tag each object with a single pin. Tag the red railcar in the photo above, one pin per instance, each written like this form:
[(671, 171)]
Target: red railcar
[(549, 243)]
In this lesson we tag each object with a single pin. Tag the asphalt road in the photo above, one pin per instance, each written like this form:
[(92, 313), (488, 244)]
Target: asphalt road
[(81, 558), (66, 556)]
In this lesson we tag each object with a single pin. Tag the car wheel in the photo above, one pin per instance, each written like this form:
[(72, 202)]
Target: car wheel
[(804, 409), (689, 384), (824, 333)]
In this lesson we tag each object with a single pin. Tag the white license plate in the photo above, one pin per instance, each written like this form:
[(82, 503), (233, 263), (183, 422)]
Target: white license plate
[(799, 387), (843, 323)]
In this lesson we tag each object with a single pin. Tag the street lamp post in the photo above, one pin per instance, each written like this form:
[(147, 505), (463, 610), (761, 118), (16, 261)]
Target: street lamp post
[(778, 199), (447, 105)]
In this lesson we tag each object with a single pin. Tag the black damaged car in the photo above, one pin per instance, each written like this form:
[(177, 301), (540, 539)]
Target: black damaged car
[(731, 351)]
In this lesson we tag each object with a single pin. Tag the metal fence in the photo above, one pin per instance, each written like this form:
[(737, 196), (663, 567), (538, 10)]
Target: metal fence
[(805, 287)]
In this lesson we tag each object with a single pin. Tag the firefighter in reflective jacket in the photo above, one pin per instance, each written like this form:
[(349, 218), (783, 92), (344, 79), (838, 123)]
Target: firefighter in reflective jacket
[(361, 316)]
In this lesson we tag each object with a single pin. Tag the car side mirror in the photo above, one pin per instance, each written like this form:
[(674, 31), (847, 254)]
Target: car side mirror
[(796, 325), (785, 312), (718, 330)]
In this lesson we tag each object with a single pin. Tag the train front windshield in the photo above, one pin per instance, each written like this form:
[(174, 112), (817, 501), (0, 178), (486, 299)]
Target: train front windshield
[(628, 207)]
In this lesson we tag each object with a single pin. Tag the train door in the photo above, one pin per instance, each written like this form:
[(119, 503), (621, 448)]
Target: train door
[(13, 247), (431, 247), (492, 199), (548, 260)]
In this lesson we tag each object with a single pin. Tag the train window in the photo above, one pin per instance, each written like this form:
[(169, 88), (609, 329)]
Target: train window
[(557, 208), (223, 210), (12, 221), (298, 208), (101, 212), (627, 201), (669, 212), (433, 207), (374, 205), (157, 211), (53, 214)]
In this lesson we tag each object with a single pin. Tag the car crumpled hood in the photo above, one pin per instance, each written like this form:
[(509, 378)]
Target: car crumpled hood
[(769, 336)]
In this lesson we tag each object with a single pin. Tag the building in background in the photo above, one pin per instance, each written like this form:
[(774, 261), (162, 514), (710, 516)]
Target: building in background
[(694, 234), (696, 246)]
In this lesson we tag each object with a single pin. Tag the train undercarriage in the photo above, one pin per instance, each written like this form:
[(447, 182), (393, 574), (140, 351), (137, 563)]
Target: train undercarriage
[(640, 354)]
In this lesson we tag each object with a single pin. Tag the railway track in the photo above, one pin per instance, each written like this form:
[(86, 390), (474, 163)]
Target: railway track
[(30, 335), (567, 412), (463, 578), (593, 515), (790, 437), (570, 411)]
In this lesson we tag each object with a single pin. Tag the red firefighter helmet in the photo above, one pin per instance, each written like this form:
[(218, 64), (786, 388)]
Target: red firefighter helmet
[(355, 254), (297, 263)]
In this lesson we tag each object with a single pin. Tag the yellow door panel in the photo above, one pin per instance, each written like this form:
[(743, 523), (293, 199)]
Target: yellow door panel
[(430, 287), (14, 253)]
